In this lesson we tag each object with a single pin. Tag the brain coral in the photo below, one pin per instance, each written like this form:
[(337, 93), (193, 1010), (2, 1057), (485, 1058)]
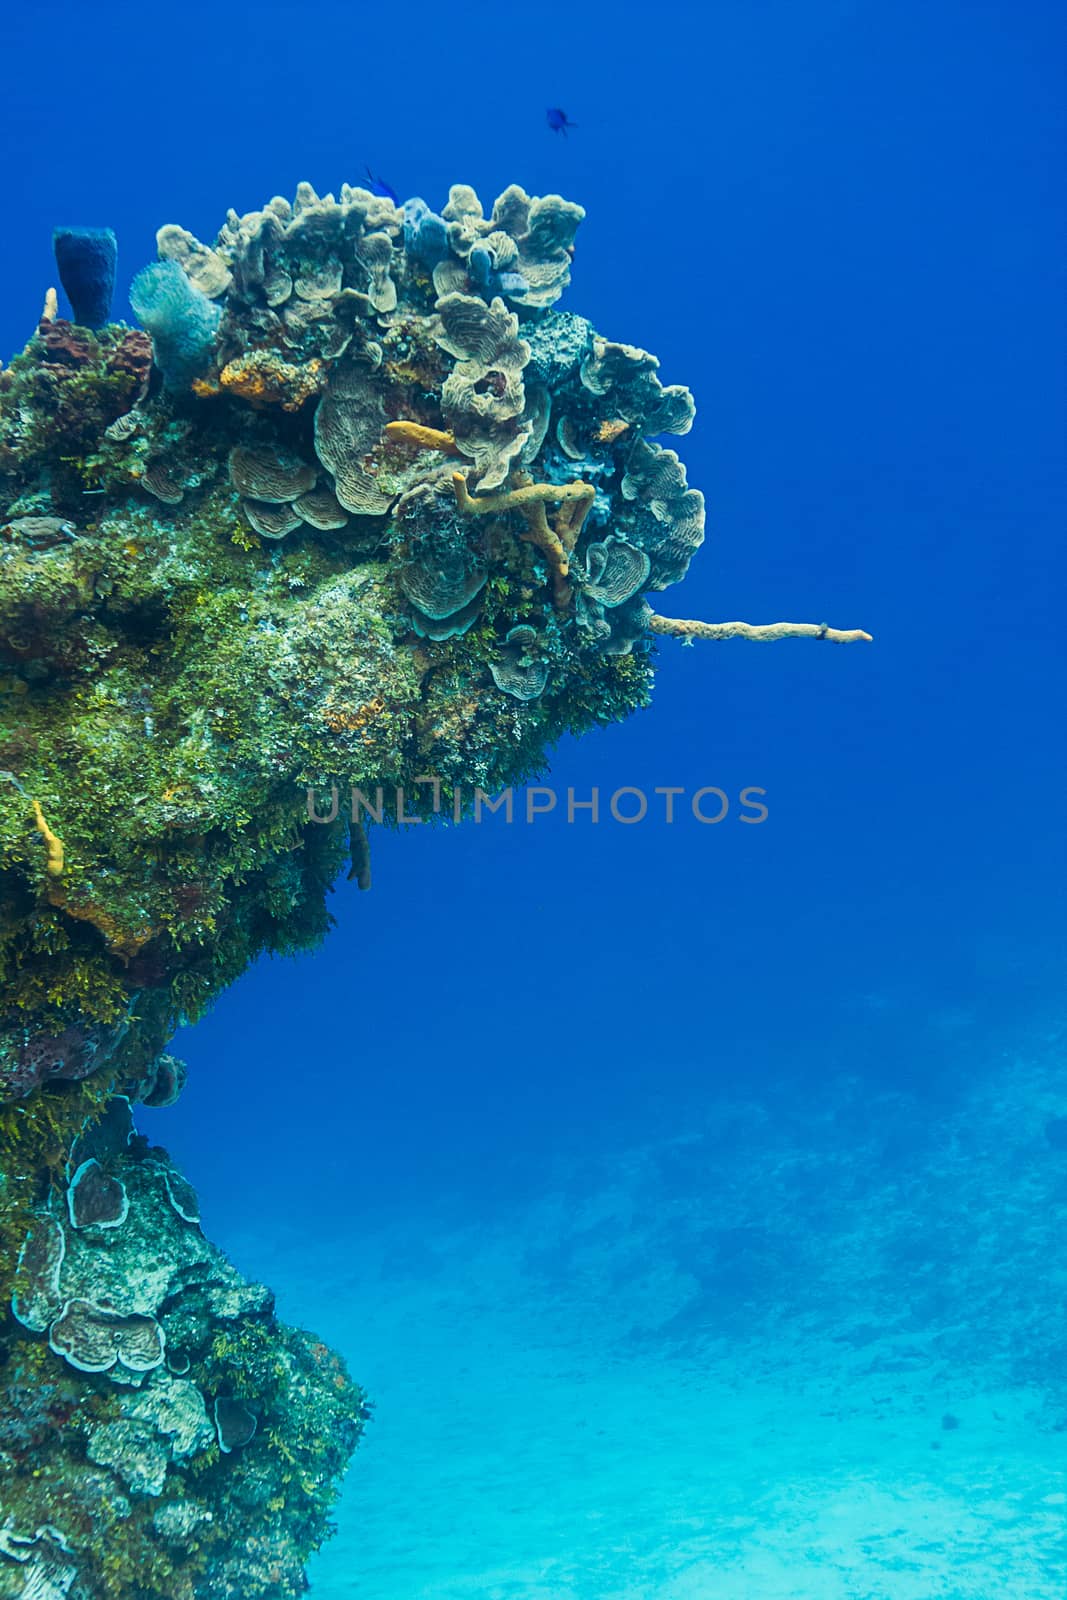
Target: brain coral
[(378, 510)]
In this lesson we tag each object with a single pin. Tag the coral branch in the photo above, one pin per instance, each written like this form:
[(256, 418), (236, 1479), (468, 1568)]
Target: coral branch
[(677, 628), (524, 495), (570, 517), (574, 501), (51, 306), (552, 548), (421, 438)]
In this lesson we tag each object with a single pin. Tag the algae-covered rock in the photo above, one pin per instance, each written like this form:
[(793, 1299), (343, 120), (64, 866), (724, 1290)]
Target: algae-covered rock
[(376, 511), (165, 1401)]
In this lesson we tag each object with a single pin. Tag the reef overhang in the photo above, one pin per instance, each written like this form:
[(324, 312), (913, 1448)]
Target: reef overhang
[(355, 504)]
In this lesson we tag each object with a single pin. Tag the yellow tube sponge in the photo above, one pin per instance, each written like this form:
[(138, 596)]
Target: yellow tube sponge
[(421, 438), (53, 861)]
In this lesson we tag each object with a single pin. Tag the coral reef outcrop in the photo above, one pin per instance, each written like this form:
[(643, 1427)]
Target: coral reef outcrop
[(358, 505)]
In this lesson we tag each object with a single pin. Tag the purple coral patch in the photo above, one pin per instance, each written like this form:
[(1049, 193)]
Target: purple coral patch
[(36, 1058), (94, 1200), (42, 1056)]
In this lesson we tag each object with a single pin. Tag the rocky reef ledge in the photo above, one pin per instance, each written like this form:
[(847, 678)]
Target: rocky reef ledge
[(161, 1433), (355, 506)]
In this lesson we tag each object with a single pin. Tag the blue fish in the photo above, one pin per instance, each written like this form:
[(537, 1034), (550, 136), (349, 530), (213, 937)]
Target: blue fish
[(558, 120), (379, 186)]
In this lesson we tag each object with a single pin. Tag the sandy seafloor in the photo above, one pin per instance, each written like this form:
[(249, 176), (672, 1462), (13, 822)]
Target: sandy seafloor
[(815, 1349)]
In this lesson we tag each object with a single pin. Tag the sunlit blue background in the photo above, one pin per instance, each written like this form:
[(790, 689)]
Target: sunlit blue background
[(842, 225)]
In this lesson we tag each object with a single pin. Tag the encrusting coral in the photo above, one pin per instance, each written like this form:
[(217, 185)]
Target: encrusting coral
[(367, 508)]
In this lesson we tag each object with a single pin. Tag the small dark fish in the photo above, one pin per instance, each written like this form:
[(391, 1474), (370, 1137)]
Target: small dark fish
[(379, 186), (558, 120)]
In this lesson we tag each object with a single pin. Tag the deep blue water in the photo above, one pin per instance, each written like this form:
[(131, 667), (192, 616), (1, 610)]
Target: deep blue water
[(843, 226)]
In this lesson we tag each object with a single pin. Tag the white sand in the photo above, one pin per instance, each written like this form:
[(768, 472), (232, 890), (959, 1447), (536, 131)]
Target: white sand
[(571, 1408)]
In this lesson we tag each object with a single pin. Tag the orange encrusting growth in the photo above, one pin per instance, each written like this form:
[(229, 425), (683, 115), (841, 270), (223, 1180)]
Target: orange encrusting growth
[(264, 379)]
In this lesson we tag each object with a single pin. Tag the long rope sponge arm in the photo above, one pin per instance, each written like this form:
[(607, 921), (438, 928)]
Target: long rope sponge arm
[(575, 500), (678, 628)]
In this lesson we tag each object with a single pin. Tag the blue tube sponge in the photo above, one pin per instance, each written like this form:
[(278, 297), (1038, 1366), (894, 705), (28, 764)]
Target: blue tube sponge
[(425, 233), (181, 320), (86, 260)]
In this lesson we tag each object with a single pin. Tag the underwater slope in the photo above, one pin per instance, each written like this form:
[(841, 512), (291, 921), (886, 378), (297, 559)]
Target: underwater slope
[(811, 1346)]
